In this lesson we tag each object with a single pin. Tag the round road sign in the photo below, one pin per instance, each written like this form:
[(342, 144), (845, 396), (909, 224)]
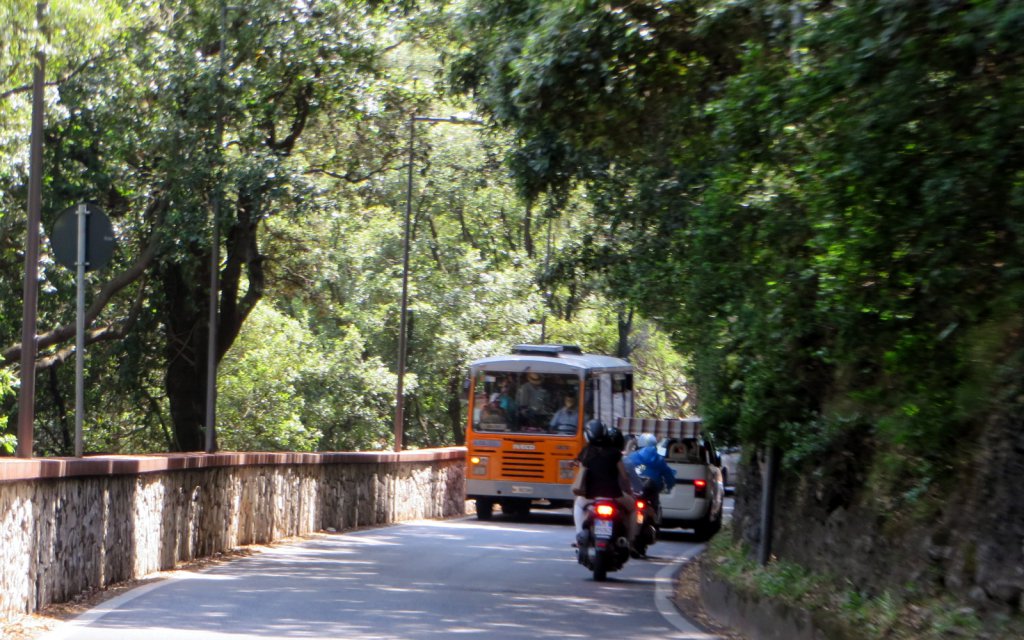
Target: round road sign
[(99, 238)]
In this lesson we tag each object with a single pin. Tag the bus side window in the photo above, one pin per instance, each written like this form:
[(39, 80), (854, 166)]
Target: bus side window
[(480, 396), (589, 398)]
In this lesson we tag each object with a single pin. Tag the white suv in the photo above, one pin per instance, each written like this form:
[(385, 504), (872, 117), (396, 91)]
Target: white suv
[(695, 502)]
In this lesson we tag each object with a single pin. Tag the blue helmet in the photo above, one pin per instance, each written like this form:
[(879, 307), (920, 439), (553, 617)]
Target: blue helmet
[(645, 440)]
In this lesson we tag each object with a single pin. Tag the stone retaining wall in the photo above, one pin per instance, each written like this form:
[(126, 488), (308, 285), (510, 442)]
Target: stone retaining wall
[(72, 525)]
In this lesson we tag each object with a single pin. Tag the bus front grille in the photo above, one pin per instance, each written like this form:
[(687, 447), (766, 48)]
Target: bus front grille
[(523, 466)]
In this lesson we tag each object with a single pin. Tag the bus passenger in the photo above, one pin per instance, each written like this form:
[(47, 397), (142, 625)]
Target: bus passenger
[(532, 399), (504, 400), (532, 396), (490, 414), (567, 418)]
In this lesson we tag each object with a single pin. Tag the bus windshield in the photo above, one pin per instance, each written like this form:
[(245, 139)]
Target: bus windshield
[(527, 402)]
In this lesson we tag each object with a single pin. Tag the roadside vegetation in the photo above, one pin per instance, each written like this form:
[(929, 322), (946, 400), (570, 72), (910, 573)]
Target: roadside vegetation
[(845, 612)]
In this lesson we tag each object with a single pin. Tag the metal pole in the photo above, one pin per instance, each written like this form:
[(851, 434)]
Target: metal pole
[(402, 339), (547, 293), (83, 211), (27, 391), (211, 343), (403, 344)]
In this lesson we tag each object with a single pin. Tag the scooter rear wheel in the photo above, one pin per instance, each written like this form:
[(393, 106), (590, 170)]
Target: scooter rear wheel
[(600, 568)]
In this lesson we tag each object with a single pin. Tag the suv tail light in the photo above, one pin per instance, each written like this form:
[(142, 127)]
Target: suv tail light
[(700, 488)]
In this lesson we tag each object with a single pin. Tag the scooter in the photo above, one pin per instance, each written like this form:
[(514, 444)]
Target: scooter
[(603, 545), (648, 519)]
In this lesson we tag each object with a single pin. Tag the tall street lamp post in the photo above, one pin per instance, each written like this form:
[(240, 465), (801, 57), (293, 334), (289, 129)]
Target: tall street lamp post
[(210, 417), (403, 338)]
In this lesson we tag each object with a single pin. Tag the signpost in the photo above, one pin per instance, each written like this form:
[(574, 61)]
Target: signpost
[(82, 239)]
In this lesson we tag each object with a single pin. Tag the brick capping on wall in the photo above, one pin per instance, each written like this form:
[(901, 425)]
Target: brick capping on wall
[(20, 469)]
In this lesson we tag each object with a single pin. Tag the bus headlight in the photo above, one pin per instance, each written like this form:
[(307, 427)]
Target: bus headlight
[(566, 469), (478, 465)]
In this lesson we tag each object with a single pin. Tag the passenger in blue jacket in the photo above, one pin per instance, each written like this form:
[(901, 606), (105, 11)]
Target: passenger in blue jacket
[(650, 464)]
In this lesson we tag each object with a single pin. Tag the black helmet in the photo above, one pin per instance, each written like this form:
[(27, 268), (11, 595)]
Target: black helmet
[(594, 431), (615, 439)]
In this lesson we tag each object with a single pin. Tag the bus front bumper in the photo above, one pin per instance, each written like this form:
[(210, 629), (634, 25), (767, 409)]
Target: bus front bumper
[(510, 489)]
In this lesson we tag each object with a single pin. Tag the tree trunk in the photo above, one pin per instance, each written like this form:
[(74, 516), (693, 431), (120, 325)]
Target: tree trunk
[(186, 313), (186, 325), (67, 442), (625, 328), (528, 229), (455, 407)]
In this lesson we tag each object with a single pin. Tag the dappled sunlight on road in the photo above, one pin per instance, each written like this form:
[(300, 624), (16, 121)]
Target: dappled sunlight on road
[(426, 580)]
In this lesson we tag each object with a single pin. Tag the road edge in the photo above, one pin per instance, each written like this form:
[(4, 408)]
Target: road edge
[(64, 627), (664, 598)]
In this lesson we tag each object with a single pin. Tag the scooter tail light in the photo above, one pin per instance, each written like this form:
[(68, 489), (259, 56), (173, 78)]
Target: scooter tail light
[(640, 505), (605, 510)]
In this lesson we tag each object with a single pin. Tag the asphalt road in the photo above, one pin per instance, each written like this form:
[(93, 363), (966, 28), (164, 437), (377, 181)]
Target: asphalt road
[(458, 578)]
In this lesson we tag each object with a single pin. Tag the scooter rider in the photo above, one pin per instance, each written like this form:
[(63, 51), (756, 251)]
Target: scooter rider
[(651, 464), (605, 474)]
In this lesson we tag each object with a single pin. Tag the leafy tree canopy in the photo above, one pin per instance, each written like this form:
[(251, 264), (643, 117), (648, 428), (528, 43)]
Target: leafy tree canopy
[(821, 202)]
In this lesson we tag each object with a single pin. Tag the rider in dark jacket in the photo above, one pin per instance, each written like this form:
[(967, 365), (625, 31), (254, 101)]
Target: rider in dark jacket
[(602, 462), (605, 474)]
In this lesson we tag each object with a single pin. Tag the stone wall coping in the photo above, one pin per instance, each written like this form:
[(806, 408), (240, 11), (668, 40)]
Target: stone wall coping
[(22, 469)]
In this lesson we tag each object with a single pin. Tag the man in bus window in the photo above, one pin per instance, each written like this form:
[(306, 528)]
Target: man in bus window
[(532, 399), (567, 418)]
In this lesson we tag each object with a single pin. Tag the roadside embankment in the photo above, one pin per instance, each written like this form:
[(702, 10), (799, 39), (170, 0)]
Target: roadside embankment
[(784, 600), (761, 617)]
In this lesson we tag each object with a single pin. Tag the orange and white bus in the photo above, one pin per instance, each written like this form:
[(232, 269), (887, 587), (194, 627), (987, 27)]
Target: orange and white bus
[(526, 417)]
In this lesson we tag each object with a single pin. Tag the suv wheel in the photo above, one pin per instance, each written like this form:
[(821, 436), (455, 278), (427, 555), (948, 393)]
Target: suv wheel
[(707, 527)]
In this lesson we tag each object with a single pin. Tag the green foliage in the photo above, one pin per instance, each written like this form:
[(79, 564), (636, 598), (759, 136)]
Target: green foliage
[(338, 271), (806, 443), (781, 580), (259, 406), (822, 207), (73, 34), (661, 386), (310, 188), (135, 126), (8, 441)]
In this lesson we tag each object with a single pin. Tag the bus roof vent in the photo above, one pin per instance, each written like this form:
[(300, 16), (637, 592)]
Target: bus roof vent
[(546, 349)]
